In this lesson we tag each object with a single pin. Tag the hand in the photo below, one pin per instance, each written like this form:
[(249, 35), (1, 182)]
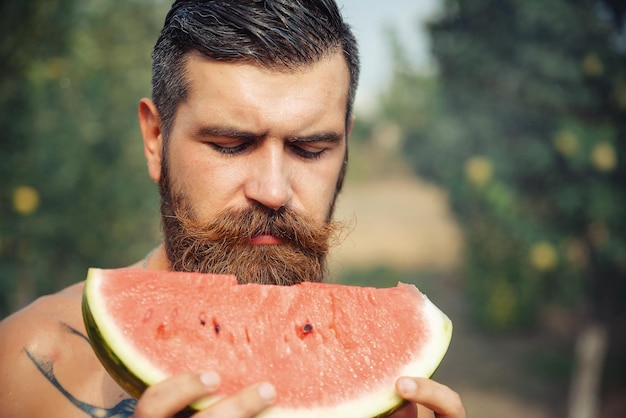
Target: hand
[(443, 401), (167, 398)]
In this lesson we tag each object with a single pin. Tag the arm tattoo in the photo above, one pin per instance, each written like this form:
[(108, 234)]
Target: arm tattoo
[(124, 409)]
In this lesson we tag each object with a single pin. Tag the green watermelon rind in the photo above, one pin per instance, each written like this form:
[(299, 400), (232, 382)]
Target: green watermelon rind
[(132, 384), (127, 371)]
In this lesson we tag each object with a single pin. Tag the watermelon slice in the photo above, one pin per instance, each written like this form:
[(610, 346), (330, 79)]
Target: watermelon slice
[(330, 350)]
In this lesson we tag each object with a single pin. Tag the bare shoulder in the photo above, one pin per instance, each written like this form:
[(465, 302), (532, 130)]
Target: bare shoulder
[(45, 356), (39, 324)]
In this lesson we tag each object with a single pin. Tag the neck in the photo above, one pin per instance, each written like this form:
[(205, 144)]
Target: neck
[(155, 260)]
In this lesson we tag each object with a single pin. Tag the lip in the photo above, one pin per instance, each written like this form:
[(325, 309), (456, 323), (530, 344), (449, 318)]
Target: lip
[(265, 240)]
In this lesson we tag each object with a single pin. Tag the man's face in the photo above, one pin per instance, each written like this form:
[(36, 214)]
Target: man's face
[(251, 169)]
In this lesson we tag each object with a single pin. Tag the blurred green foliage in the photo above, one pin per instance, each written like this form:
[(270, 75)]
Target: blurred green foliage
[(525, 126), (75, 191)]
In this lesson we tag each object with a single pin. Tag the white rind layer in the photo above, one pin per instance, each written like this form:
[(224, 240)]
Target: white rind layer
[(370, 404), (133, 360)]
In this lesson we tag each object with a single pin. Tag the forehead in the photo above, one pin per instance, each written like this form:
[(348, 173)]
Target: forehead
[(254, 94)]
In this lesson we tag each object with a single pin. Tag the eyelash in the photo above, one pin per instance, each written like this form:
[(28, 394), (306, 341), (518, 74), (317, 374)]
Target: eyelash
[(308, 155), (230, 150)]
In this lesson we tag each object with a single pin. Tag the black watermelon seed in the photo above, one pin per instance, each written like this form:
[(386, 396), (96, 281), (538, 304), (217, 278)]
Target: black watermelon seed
[(216, 326), (307, 328)]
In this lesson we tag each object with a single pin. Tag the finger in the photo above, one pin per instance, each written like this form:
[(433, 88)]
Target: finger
[(409, 410), (174, 394), (442, 400), (246, 403)]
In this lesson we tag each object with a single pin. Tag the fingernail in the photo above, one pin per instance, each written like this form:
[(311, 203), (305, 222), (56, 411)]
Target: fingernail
[(266, 391), (407, 386), (210, 379)]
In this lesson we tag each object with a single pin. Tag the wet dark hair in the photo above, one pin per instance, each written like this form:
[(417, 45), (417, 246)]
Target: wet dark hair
[(278, 34)]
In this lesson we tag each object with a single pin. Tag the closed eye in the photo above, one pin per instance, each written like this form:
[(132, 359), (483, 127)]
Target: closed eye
[(307, 152), (230, 149), (226, 140), (315, 146)]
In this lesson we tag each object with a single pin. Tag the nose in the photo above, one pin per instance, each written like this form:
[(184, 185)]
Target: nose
[(269, 180)]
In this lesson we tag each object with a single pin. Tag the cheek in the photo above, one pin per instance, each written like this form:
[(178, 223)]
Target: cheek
[(193, 177), (317, 191), (212, 185)]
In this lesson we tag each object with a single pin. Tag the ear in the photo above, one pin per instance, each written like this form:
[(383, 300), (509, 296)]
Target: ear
[(150, 124)]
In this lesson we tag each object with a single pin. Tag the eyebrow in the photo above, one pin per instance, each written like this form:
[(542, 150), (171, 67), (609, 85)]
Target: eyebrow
[(209, 131), (332, 137)]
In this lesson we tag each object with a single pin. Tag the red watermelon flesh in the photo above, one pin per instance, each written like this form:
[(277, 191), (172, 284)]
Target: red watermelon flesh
[(330, 350)]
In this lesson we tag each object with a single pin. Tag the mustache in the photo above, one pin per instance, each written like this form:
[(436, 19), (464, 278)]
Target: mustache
[(222, 246), (237, 227)]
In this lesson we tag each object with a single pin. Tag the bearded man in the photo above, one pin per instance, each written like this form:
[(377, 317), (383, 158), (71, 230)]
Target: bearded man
[(247, 138)]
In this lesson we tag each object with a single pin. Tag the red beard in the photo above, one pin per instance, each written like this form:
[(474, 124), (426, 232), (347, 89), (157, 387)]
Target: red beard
[(223, 245)]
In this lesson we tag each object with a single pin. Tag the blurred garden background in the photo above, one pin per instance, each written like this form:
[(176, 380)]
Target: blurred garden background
[(494, 177)]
